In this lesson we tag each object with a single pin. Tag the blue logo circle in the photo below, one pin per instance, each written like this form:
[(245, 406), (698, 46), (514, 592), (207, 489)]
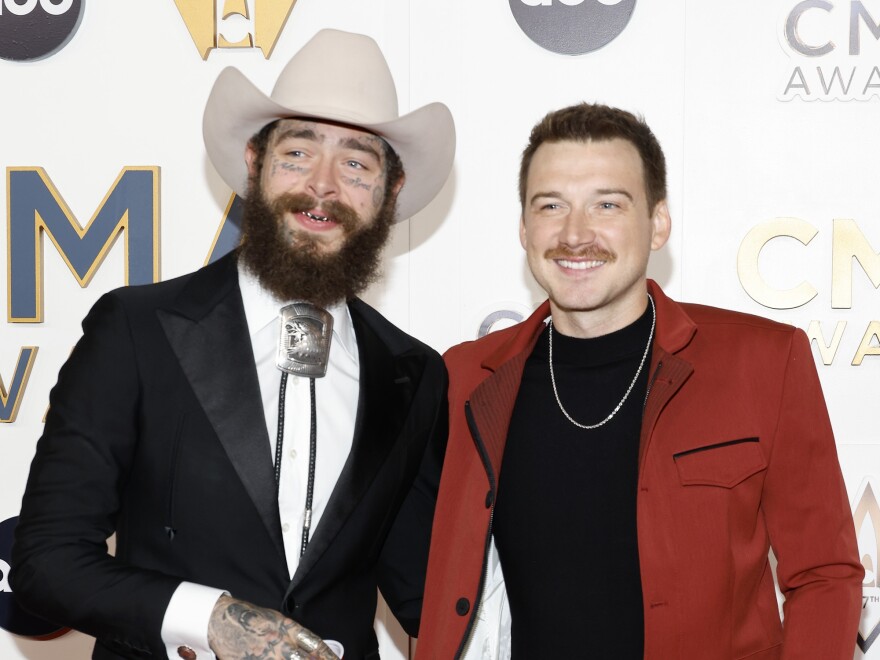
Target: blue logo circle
[(34, 29), (572, 27)]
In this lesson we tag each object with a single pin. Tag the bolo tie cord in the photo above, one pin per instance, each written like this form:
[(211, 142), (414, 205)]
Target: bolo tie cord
[(313, 446)]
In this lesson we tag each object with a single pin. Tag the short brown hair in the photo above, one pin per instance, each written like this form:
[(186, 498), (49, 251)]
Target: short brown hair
[(586, 121)]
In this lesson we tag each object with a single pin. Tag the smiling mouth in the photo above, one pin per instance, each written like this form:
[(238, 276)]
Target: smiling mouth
[(316, 218), (580, 265)]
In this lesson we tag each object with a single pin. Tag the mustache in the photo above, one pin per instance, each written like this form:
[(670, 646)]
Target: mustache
[(591, 252), (341, 213)]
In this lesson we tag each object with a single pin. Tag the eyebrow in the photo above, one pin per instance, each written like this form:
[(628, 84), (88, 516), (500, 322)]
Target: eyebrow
[(600, 191), (302, 133), (354, 143), (616, 191), (310, 134), (549, 193)]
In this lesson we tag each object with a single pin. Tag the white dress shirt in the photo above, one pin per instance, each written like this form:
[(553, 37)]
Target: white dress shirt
[(336, 395)]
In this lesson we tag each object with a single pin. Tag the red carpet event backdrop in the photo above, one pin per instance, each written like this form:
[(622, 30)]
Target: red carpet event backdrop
[(769, 112)]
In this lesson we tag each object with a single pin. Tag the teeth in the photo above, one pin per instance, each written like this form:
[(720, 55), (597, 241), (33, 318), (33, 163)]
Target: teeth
[(316, 218), (579, 265)]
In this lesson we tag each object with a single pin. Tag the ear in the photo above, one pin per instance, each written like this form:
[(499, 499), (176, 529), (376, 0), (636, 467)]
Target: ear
[(397, 186), (250, 157), (522, 230), (661, 225)]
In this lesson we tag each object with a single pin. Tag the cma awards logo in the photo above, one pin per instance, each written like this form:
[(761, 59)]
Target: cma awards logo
[(866, 517), (13, 618), (34, 29), (850, 252), (235, 23), (832, 50), (128, 217), (572, 27)]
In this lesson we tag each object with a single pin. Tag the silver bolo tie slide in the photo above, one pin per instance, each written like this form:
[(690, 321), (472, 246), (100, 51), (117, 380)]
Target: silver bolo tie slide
[(304, 340), (304, 351)]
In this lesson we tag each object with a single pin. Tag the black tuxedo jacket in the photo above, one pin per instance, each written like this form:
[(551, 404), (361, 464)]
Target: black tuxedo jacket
[(156, 432)]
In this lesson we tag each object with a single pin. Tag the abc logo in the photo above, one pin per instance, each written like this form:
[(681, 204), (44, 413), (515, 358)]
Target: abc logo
[(572, 27), (26, 7), (34, 29)]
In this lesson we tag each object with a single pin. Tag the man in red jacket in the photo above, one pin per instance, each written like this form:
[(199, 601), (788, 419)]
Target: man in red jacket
[(619, 464)]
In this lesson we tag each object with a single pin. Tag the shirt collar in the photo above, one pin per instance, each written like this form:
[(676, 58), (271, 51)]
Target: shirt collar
[(261, 309)]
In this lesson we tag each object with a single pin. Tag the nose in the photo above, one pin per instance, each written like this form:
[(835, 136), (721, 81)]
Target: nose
[(322, 181), (577, 230)]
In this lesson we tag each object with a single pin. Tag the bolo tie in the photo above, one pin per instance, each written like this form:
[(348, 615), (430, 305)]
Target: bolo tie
[(303, 351)]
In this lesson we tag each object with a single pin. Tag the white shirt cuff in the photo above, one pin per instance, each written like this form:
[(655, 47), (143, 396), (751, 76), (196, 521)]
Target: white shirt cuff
[(187, 617)]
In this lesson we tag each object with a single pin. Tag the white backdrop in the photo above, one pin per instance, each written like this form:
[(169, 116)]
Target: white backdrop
[(762, 141)]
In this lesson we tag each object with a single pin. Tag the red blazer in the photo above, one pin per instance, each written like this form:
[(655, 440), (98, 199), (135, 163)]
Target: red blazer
[(736, 455)]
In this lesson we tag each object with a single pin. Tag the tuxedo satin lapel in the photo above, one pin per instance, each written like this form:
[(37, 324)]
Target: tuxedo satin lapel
[(388, 380), (209, 335)]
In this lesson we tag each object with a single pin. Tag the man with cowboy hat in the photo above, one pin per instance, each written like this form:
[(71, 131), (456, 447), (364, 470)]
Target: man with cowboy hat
[(255, 513)]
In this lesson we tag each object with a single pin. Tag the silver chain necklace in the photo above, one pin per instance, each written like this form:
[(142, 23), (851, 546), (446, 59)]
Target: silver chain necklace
[(628, 389)]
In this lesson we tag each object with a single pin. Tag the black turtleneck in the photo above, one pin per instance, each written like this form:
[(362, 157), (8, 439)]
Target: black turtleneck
[(565, 516)]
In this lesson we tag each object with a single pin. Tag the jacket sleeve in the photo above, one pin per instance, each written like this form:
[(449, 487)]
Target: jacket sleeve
[(61, 568), (404, 559), (809, 521)]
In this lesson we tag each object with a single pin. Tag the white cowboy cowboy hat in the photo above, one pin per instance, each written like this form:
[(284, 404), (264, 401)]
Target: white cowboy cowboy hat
[(341, 77)]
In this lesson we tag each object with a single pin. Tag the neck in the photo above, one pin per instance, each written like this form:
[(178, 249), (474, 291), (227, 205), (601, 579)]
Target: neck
[(586, 324)]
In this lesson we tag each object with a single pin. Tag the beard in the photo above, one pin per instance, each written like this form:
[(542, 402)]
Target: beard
[(290, 264)]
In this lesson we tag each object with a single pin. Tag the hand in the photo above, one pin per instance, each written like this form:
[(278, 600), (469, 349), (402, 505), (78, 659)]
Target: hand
[(239, 630)]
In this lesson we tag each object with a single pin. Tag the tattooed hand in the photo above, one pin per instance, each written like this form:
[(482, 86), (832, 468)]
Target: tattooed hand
[(242, 631)]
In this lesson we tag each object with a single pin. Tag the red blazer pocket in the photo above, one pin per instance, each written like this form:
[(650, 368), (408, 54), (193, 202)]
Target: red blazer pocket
[(724, 464)]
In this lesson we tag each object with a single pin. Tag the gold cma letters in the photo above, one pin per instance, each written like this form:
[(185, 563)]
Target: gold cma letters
[(828, 351), (848, 243), (747, 263), (206, 27), (10, 401)]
